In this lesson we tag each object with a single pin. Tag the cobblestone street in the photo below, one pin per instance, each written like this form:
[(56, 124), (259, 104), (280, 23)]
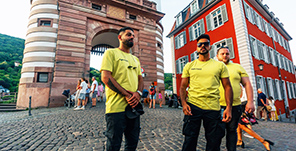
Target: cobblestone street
[(65, 129)]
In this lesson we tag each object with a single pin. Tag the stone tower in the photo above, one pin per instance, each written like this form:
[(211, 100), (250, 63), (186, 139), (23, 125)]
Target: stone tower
[(61, 35)]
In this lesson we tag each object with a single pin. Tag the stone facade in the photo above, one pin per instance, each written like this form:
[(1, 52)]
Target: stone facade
[(60, 38)]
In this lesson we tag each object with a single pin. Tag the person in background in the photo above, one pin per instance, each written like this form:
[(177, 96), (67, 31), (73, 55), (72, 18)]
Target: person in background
[(101, 91), (261, 101), (273, 109), (94, 91), (81, 99), (160, 99), (152, 92), (77, 92), (87, 92)]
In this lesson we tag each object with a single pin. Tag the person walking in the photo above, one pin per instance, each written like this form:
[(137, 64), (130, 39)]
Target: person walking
[(273, 108), (237, 76), (261, 101), (152, 92), (160, 99), (101, 91), (77, 92), (203, 76), (81, 99), (94, 91), (121, 73)]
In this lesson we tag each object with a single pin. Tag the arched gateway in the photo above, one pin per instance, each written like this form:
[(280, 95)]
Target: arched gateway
[(63, 33)]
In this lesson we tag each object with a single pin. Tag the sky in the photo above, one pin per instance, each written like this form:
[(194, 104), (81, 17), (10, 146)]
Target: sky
[(15, 13)]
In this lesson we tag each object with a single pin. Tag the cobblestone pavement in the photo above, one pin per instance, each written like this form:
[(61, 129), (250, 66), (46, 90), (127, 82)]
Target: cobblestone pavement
[(65, 129)]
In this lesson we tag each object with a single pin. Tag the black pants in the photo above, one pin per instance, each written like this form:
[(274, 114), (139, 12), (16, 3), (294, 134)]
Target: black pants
[(191, 128), (231, 133), (117, 125)]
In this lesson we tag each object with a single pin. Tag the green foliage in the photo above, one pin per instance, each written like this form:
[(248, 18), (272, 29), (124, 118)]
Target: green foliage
[(96, 73), (168, 81), (11, 50)]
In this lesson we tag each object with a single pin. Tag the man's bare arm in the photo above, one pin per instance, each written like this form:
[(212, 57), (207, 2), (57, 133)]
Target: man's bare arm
[(229, 99), (250, 108), (186, 107), (112, 84)]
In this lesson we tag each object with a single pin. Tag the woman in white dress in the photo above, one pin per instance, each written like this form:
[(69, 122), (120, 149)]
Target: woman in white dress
[(273, 109)]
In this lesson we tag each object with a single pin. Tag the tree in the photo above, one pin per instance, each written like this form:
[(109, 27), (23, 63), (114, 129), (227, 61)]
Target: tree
[(168, 81)]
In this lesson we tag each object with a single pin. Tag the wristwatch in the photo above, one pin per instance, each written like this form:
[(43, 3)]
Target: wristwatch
[(140, 93)]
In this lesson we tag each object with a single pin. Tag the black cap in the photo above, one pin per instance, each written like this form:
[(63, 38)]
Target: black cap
[(203, 36), (132, 113)]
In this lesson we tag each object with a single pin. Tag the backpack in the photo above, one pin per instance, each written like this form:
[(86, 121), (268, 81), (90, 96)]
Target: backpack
[(152, 90)]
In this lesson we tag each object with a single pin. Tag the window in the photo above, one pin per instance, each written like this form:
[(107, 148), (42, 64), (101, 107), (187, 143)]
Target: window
[(179, 19), (196, 30), (272, 57), (261, 83), (260, 49), (45, 22), (266, 26), (194, 7), (259, 21), (133, 17), (97, 7), (180, 63), (217, 18), (225, 42), (276, 58), (292, 90), (42, 77), (249, 12), (180, 40), (194, 56), (275, 91), (277, 82)]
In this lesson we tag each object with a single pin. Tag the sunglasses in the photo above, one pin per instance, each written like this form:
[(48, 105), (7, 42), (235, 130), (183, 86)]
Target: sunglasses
[(206, 44), (131, 67)]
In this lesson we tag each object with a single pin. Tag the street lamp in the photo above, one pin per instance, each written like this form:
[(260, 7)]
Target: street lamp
[(260, 68)]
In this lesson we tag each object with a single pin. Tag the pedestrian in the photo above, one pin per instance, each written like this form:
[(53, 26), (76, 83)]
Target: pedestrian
[(160, 99), (94, 91), (152, 92), (261, 102), (245, 123), (77, 92), (81, 99), (87, 92), (121, 73), (101, 91), (204, 76), (273, 108), (237, 76)]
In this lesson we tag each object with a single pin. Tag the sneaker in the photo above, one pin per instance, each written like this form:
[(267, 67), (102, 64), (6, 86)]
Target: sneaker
[(247, 135), (78, 108), (83, 108)]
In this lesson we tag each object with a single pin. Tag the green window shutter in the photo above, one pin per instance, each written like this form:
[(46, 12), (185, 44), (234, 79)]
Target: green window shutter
[(209, 24), (192, 57), (246, 10), (229, 44), (224, 13), (190, 34), (177, 66), (176, 42), (184, 37), (202, 26)]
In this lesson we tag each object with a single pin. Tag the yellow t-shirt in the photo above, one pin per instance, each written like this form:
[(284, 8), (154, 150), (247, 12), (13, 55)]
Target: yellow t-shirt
[(204, 82), (125, 70), (236, 72)]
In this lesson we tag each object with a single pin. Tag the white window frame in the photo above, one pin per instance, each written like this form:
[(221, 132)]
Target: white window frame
[(266, 28), (275, 90), (260, 46), (260, 80), (179, 19), (210, 18), (180, 40), (292, 90), (289, 89), (194, 56), (271, 52), (197, 29), (224, 42), (258, 21), (270, 86), (194, 7), (254, 47)]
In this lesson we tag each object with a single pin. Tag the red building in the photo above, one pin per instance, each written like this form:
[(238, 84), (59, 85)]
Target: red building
[(253, 34)]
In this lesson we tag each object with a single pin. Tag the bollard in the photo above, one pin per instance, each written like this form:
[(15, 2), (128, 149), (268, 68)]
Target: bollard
[(30, 105), (280, 115)]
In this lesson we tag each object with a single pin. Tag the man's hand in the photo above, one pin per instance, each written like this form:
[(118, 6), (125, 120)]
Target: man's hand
[(133, 99), (227, 115), (250, 108), (186, 109)]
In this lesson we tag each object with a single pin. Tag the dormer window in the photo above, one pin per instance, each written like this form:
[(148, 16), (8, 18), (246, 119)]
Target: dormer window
[(194, 7), (179, 19)]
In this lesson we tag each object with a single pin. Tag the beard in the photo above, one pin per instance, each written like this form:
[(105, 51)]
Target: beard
[(128, 43), (204, 53)]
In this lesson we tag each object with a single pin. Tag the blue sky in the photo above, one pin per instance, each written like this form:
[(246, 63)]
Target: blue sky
[(14, 19)]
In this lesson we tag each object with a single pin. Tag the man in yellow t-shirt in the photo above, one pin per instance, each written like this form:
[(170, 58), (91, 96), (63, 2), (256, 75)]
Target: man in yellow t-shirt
[(121, 73), (238, 75), (203, 76)]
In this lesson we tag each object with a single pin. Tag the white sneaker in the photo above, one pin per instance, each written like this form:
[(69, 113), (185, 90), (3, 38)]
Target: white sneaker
[(83, 108), (77, 108), (247, 135)]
